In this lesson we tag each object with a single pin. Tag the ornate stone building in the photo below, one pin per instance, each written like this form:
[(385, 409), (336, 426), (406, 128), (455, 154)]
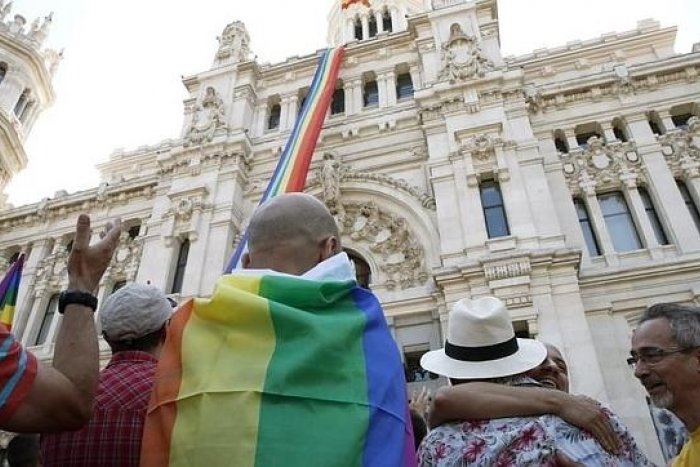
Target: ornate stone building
[(566, 182)]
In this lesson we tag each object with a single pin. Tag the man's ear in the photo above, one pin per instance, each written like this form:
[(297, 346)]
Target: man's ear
[(245, 261), (329, 248)]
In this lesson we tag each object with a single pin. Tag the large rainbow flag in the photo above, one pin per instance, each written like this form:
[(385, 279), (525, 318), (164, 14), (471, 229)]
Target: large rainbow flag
[(293, 166), (347, 3), (9, 288), (277, 370)]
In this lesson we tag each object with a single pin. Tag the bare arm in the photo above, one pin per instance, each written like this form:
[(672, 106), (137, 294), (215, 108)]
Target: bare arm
[(62, 396), (488, 400)]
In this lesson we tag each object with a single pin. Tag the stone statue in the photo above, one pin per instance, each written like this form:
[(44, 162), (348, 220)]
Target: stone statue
[(5, 9), (330, 179), (209, 116), (462, 57)]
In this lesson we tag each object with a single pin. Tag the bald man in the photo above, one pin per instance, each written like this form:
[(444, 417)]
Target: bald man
[(291, 233)]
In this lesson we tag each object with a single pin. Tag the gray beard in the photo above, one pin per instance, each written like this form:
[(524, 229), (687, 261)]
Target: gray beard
[(664, 401)]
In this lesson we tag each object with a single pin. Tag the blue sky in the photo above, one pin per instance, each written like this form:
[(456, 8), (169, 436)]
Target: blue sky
[(119, 84)]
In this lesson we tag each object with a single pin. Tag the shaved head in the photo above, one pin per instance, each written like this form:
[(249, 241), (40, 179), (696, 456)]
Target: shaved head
[(291, 233)]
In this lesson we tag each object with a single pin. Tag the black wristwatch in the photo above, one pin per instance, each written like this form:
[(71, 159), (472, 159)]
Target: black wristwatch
[(74, 297)]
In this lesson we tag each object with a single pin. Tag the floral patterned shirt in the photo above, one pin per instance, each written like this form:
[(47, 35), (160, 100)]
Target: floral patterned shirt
[(523, 441)]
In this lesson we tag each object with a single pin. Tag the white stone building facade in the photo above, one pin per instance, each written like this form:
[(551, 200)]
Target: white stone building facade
[(566, 182)]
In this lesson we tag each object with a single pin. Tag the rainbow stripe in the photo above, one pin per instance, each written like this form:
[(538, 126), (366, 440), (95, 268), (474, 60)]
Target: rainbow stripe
[(9, 289), (261, 375), (293, 166), (347, 3)]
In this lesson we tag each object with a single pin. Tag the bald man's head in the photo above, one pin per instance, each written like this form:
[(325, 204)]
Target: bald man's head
[(291, 233)]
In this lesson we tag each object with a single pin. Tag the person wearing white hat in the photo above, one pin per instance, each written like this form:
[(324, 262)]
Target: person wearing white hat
[(481, 346), (134, 321)]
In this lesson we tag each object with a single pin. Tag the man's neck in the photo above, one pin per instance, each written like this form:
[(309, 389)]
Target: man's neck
[(690, 412)]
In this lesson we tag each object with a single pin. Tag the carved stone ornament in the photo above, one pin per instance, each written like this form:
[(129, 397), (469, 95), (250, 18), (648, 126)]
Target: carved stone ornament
[(601, 165), (482, 147), (533, 98), (234, 43), (208, 117), (681, 148), (51, 272), (345, 174), (126, 260), (462, 57)]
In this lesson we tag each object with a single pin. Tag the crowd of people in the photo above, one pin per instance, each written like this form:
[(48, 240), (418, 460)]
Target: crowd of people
[(508, 401)]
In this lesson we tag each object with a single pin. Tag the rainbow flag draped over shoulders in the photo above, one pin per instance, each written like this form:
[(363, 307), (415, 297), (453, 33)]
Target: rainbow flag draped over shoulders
[(9, 289), (293, 167), (276, 370)]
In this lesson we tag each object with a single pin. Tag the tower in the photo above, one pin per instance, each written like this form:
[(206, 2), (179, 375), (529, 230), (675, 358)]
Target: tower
[(26, 71), (356, 20)]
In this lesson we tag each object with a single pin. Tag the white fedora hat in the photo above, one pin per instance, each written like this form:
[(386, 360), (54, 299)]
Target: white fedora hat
[(481, 344)]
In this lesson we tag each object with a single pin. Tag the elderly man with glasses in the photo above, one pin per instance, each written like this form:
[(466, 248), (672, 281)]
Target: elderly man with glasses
[(665, 356)]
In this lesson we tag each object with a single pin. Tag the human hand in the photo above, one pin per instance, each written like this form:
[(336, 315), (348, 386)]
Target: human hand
[(587, 414), (420, 401), (87, 264), (562, 460)]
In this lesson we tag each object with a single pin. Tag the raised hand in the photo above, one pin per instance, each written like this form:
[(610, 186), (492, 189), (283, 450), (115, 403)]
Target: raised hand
[(87, 264), (420, 402)]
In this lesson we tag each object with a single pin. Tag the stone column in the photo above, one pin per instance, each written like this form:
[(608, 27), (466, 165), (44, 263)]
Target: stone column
[(416, 78), (292, 111), (571, 138), (382, 88), (641, 219), (380, 23), (349, 101), (666, 121), (608, 132), (357, 95), (512, 189), (365, 26), (390, 81), (395, 18), (284, 112), (260, 120), (599, 227)]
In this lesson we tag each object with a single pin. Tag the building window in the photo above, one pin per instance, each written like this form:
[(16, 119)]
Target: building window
[(363, 274), (404, 86), (338, 102), (386, 21), (582, 139), (69, 246), (659, 233), (3, 71), (273, 120), (302, 101), (584, 221), (494, 209), (370, 95), (619, 131), (118, 285), (358, 29), (560, 142), (134, 231), (681, 121), (21, 103), (690, 204), (47, 320), (14, 257), (654, 123), (372, 25), (619, 222), (180, 266)]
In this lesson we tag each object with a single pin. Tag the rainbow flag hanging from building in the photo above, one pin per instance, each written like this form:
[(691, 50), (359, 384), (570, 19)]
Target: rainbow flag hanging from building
[(347, 3), (9, 289), (279, 370), (293, 166)]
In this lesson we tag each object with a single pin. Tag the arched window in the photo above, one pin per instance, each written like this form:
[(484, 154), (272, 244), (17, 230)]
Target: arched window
[(386, 21), (273, 120), (560, 142), (134, 231), (689, 203), (585, 132), (494, 209), (619, 222), (47, 320), (372, 25), (180, 266), (338, 102), (370, 94), (654, 220), (404, 86), (358, 29), (3, 71), (584, 221), (21, 102), (363, 273)]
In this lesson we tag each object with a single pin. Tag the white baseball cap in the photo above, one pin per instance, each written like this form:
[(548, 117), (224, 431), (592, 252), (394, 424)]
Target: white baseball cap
[(134, 311)]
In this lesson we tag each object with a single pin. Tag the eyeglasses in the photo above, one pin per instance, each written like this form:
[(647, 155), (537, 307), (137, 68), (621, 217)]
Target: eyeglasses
[(652, 356)]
